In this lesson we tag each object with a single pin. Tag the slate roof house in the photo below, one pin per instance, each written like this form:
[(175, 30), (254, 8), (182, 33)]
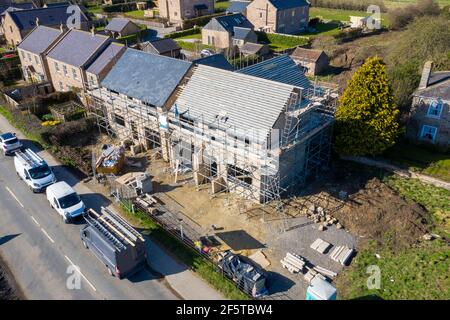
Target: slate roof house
[(216, 61), (119, 27), (33, 50), (17, 24), (254, 49), (280, 16), (71, 56), (177, 10), (238, 6), (314, 61), (229, 30), (429, 120), (165, 47)]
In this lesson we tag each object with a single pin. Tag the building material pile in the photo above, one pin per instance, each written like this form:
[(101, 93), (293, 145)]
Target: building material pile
[(342, 254), (111, 160), (293, 262), (320, 246), (140, 182), (319, 215)]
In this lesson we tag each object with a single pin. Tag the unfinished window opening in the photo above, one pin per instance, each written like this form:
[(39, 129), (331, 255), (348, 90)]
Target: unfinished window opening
[(134, 130), (152, 138), (119, 120), (214, 169), (239, 174)]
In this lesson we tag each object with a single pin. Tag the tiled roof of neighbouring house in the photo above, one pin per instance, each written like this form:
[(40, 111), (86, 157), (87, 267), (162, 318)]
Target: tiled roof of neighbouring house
[(39, 39), (117, 24), (216, 61), (251, 48), (288, 4), (307, 54), (238, 6), (241, 33), (438, 86), (26, 19), (228, 22), (77, 47), (163, 45), (15, 7), (111, 52), (281, 69), (148, 77)]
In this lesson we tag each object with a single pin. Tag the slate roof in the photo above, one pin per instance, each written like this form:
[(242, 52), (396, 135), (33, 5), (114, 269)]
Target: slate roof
[(117, 24), (241, 33), (26, 19), (163, 45), (238, 6), (288, 4), (255, 103), (148, 77), (228, 22), (77, 46), (216, 61), (15, 7), (56, 4), (281, 69), (438, 86), (251, 48), (307, 54), (111, 52), (38, 40)]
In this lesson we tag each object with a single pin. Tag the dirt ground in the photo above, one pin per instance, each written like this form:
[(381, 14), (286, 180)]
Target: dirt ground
[(8, 288), (372, 211)]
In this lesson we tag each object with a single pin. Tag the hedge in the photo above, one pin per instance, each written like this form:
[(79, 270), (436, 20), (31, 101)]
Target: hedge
[(200, 21), (284, 40), (124, 7), (183, 33)]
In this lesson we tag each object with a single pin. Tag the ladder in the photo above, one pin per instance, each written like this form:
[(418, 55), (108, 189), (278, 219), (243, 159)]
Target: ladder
[(103, 230), (117, 221), (30, 157)]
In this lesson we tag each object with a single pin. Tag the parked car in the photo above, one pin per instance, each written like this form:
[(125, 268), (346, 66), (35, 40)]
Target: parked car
[(120, 247), (9, 143), (206, 53), (65, 201), (32, 169)]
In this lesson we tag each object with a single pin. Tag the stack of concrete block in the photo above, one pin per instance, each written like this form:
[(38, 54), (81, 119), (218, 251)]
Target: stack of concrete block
[(293, 262), (341, 254), (320, 245)]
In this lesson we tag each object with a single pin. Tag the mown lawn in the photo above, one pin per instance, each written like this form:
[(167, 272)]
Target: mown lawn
[(220, 6), (338, 14), (420, 159), (138, 14), (402, 3), (418, 272)]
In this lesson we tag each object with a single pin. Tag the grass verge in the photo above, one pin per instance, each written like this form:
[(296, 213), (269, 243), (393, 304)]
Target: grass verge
[(196, 263)]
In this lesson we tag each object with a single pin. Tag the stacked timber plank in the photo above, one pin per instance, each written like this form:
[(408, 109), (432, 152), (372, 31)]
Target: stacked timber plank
[(320, 245), (325, 272), (293, 262), (341, 254)]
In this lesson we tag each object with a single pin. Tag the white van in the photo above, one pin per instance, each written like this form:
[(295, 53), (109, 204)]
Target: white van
[(65, 201), (32, 169)]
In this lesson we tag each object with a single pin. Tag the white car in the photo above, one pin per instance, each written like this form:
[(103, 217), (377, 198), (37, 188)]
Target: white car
[(65, 201), (206, 53), (9, 143)]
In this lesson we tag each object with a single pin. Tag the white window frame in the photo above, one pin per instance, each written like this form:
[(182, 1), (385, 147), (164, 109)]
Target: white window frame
[(65, 70), (57, 67), (439, 105), (426, 128), (74, 74)]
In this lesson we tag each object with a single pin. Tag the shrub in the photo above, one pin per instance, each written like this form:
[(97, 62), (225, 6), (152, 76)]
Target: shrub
[(65, 134), (367, 118), (360, 5), (47, 117), (399, 18), (348, 35), (184, 33)]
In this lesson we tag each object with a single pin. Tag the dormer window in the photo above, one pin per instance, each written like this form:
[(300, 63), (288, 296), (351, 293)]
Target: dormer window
[(435, 109)]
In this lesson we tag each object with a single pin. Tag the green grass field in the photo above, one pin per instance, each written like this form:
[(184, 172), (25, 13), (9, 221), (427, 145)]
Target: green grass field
[(417, 272), (422, 160), (138, 14), (402, 3), (221, 6), (339, 15)]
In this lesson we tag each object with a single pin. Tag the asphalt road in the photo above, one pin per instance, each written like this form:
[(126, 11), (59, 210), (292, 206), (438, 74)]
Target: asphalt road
[(39, 249)]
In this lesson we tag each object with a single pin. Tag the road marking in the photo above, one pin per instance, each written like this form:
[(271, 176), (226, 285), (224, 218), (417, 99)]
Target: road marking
[(78, 269), (35, 221), (14, 196), (48, 236)]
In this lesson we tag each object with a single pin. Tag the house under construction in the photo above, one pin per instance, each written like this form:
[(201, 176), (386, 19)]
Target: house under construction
[(257, 131)]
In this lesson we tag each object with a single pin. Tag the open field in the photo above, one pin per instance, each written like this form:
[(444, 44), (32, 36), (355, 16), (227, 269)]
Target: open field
[(402, 3), (137, 14)]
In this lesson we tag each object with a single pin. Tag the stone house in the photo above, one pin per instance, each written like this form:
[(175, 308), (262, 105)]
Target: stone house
[(119, 27), (17, 24), (279, 16), (238, 6), (165, 47), (429, 119), (71, 56), (178, 10), (314, 61), (229, 30), (33, 50), (6, 6)]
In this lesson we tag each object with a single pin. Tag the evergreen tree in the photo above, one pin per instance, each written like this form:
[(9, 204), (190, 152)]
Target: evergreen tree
[(367, 118)]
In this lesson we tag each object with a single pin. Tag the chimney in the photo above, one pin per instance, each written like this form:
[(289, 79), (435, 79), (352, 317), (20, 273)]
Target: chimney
[(37, 21), (426, 74)]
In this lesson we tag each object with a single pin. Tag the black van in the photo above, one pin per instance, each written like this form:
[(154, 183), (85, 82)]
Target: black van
[(120, 247)]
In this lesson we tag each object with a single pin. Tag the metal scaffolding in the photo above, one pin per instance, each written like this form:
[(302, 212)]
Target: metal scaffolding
[(215, 153)]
